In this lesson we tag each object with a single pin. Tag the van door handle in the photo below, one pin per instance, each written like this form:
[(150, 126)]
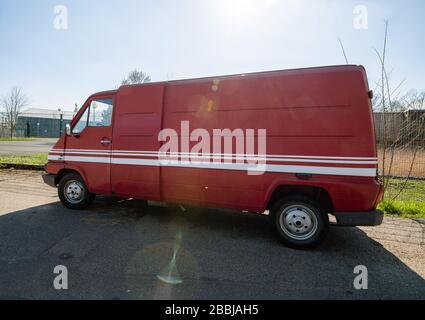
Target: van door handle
[(105, 142)]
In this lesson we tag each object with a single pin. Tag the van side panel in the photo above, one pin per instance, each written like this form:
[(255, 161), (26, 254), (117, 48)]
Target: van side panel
[(323, 112)]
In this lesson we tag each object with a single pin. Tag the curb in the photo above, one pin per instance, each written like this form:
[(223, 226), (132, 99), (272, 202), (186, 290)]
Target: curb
[(21, 166)]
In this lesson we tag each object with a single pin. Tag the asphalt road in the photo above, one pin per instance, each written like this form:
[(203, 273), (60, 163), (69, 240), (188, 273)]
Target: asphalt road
[(27, 147), (117, 250)]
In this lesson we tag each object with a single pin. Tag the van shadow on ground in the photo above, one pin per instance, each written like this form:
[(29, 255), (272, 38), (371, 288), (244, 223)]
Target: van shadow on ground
[(117, 250)]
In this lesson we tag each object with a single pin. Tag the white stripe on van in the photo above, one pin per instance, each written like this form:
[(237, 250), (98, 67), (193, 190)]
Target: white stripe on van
[(248, 157), (80, 159), (360, 172), (211, 154), (195, 156)]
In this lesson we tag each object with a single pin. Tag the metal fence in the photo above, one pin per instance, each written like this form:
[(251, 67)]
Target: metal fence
[(401, 143), (41, 127), (5, 132), (401, 153), (400, 128), (35, 125)]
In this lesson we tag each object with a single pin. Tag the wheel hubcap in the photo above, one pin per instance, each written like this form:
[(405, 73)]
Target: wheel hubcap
[(298, 222), (74, 191)]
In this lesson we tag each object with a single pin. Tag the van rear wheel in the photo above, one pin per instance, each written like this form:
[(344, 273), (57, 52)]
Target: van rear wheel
[(301, 223), (73, 192)]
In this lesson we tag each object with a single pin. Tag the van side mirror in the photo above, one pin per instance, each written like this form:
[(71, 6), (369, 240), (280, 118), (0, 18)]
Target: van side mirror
[(68, 129)]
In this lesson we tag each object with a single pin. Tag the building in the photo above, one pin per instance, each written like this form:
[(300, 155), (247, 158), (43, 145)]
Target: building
[(37, 122)]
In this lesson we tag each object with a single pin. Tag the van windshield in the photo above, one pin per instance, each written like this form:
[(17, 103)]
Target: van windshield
[(81, 124)]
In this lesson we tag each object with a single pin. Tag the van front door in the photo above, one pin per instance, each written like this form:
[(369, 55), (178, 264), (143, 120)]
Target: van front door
[(88, 148)]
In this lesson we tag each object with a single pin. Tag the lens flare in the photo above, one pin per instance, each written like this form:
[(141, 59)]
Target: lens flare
[(170, 274)]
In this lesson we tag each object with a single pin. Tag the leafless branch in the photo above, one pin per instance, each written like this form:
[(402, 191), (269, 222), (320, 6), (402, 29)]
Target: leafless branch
[(12, 103), (343, 50)]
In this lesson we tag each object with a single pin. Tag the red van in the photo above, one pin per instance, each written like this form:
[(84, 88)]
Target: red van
[(190, 142)]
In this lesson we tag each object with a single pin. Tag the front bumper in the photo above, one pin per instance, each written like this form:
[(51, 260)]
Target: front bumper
[(49, 179), (360, 219)]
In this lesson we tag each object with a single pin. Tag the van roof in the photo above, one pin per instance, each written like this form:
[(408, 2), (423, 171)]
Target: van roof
[(107, 92), (345, 67)]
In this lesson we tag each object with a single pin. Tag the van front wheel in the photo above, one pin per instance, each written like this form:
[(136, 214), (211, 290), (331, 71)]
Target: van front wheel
[(73, 192), (300, 222)]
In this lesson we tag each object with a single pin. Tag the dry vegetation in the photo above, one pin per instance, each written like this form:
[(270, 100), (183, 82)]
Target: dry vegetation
[(403, 160)]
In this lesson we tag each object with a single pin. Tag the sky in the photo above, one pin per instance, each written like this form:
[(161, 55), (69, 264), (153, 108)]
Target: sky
[(60, 63)]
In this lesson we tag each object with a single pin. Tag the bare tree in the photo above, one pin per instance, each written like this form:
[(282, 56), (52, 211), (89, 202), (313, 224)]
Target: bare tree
[(12, 103), (383, 102), (136, 77), (403, 129)]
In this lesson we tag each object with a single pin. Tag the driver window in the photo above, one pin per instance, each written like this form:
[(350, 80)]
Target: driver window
[(97, 114), (100, 113)]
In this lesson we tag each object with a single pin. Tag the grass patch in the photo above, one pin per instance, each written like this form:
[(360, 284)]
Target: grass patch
[(410, 203), (16, 139), (413, 190), (404, 209), (33, 159)]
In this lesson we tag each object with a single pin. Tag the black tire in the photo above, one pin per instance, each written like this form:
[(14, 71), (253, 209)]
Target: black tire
[(71, 198), (300, 222)]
